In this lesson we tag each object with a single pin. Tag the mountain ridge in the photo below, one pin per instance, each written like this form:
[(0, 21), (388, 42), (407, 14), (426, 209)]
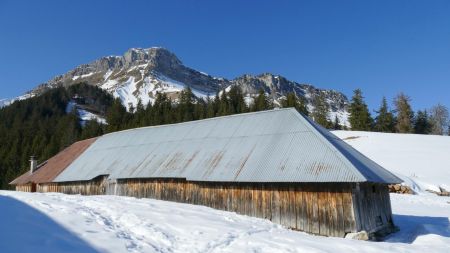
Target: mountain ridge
[(141, 72)]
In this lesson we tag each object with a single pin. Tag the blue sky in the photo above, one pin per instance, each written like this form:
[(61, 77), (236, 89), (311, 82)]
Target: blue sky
[(382, 47)]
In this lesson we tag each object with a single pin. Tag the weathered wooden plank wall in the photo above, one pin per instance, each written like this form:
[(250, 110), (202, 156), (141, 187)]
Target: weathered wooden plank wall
[(373, 207), (324, 209), (25, 188), (94, 187)]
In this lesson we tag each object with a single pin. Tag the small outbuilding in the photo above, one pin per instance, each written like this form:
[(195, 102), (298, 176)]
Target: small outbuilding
[(277, 164)]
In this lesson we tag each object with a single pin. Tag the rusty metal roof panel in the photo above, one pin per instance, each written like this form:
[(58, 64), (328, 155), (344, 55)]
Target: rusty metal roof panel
[(271, 146), (51, 168), (22, 179)]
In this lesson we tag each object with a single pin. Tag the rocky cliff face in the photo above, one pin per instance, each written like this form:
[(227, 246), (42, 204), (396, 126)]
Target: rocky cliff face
[(141, 67), (277, 87), (140, 73)]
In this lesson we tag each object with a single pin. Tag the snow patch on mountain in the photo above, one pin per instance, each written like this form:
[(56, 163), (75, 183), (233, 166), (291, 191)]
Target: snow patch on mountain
[(6, 102), (83, 114), (82, 76), (146, 88), (3, 102), (125, 92), (140, 73), (86, 116), (175, 86), (342, 117)]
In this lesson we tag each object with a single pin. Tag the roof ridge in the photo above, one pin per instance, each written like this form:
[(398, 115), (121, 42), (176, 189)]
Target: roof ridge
[(203, 120)]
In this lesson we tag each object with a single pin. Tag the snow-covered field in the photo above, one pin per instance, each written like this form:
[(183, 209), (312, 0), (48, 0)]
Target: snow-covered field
[(53, 222), (422, 161)]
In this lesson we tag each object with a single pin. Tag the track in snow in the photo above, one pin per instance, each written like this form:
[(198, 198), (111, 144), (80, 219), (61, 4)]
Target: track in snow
[(124, 224)]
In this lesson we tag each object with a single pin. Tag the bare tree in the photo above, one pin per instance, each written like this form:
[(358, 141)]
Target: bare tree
[(439, 119), (405, 114)]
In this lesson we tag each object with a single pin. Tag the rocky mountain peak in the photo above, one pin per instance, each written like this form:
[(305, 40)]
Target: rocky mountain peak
[(156, 56), (142, 72)]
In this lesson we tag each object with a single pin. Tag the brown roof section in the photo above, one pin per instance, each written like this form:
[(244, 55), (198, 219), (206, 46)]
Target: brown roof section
[(50, 169)]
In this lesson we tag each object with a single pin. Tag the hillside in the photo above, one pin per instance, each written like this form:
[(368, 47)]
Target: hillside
[(140, 73), (44, 125), (422, 161)]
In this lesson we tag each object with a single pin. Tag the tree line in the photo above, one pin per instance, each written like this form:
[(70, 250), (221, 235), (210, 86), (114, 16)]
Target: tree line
[(42, 126), (188, 107), (400, 119)]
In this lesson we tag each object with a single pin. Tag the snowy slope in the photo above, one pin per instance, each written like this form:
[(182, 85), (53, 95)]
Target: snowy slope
[(6, 102), (422, 161), (3, 102), (84, 115), (145, 88), (53, 222)]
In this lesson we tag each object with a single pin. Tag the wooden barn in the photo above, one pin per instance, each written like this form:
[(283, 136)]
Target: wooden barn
[(278, 165)]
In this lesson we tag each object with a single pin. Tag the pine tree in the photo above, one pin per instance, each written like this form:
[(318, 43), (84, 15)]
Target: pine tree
[(223, 104), (116, 116), (320, 112), (384, 122), (211, 106), (336, 124), (147, 115), (359, 118), (440, 119), (405, 115), (200, 109), (91, 129), (68, 130), (138, 119), (236, 100), (186, 105), (262, 102), (162, 111), (291, 100), (422, 123)]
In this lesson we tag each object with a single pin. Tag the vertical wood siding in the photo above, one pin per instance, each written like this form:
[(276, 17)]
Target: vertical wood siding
[(93, 187), (373, 207), (324, 209), (25, 187)]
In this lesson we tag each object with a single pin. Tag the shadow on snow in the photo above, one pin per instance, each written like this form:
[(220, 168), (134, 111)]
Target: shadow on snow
[(26, 229), (412, 227)]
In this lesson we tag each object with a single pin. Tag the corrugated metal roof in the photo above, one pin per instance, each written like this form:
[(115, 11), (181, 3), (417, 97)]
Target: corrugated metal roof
[(271, 146), (55, 165)]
